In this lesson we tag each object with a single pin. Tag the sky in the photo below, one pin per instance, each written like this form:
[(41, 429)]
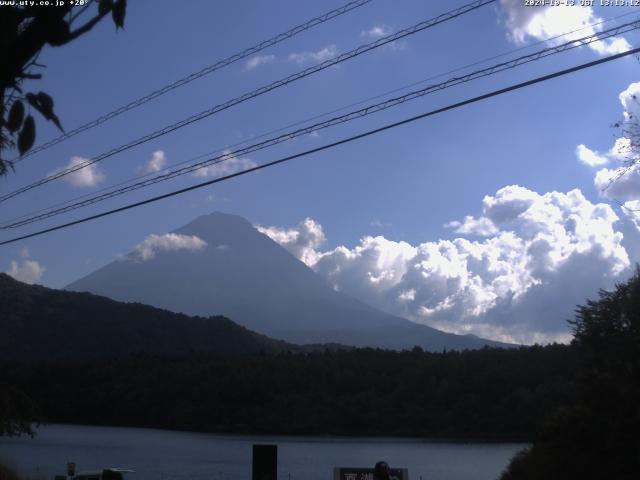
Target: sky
[(490, 219)]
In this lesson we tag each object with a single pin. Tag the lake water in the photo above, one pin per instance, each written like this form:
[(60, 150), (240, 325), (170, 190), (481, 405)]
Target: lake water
[(168, 455)]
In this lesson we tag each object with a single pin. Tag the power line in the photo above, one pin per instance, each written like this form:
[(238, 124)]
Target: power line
[(7, 223), (359, 136), (393, 102), (262, 90), (201, 73)]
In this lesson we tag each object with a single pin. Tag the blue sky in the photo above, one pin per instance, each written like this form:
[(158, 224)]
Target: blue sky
[(404, 185)]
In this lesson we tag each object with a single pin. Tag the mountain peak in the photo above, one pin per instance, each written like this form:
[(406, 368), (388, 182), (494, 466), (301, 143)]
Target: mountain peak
[(217, 217), (217, 227), (251, 279)]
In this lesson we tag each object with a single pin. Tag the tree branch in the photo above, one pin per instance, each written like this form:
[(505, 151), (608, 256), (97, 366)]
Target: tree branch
[(87, 26)]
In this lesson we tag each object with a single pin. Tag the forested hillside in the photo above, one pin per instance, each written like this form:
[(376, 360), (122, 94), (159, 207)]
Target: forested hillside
[(491, 393), (42, 323)]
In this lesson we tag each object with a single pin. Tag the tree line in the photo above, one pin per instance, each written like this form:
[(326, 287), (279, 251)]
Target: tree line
[(491, 393)]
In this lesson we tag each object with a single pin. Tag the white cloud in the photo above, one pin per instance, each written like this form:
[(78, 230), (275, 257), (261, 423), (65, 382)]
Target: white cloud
[(632, 210), (226, 166), (590, 157), (255, 62), (482, 226), (302, 241), (622, 183), (540, 23), (629, 100), (377, 31), (542, 255), (29, 271), (621, 149), (510, 202), (610, 46), (153, 244), (320, 56), (88, 176), (156, 163)]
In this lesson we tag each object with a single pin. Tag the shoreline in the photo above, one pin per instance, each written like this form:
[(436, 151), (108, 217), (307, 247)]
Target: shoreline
[(485, 438)]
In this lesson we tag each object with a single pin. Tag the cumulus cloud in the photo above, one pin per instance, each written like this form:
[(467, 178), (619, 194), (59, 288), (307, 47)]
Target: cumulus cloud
[(156, 163), (542, 254), (28, 271), (632, 209), (319, 56), (150, 246), (303, 241), (255, 62), (629, 100), (482, 226), (227, 165), (621, 149), (544, 22), (88, 176), (590, 157), (622, 183)]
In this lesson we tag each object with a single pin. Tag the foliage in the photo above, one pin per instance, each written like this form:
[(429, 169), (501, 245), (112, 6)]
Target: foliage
[(488, 393), (8, 473), (597, 435), (41, 323), (24, 31), (17, 411)]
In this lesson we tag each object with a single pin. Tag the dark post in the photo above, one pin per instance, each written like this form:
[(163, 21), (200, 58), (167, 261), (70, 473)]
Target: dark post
[(381, 471), (265, 462)]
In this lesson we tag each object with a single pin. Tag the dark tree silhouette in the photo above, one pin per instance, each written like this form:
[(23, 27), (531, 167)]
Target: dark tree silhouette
[(17, 412), (597, 435), (24, 32)]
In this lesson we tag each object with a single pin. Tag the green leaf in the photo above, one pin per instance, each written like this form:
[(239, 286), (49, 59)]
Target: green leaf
[(16, 116), (44, 104), (118, 13), (27, 135)]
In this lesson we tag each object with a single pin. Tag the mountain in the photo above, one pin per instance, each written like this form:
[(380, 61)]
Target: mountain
[(246, 276), (38, 323)]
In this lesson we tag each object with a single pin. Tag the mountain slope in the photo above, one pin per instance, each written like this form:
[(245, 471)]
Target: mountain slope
[(41, 323), (249, 278)]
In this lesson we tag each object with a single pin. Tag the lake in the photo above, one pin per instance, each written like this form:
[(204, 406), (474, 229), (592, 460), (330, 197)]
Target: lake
[(169, 455)]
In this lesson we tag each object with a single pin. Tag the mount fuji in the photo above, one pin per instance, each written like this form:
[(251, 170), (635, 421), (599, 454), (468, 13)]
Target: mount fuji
[(229, 268)]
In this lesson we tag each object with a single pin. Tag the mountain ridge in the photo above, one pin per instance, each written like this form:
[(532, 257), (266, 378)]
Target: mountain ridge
[(244, 275), (39, 323)]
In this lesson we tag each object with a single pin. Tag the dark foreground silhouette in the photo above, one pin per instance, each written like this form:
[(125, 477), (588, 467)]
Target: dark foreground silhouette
[(492, 393), (597, 436)]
